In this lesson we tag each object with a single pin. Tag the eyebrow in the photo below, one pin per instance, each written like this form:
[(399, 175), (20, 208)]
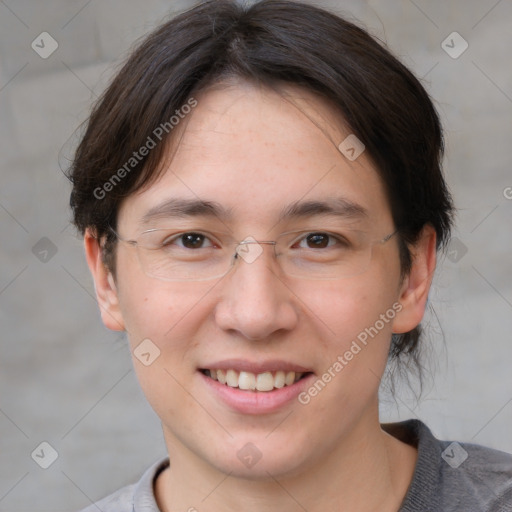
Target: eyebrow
[(175, 207), (335, 206)]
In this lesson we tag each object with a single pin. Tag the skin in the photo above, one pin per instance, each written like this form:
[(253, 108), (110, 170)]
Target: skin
[(253, 151)]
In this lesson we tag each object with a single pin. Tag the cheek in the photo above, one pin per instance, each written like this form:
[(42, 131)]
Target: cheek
[(349, 306), (162, 322), (159, 313), (356, 316), (169, 315), (357, 319), (149, 307)]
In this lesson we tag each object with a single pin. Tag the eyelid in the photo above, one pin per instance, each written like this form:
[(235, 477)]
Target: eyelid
[(183, 229), (343, 234), (176, 236), (338, 238), (215, 238), (177, 232)]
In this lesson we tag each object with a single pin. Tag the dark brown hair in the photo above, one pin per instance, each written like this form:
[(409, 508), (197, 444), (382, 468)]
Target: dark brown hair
[(272, 42)]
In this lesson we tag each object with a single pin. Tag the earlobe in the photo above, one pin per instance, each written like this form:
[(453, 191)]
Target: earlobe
[(104, 284), (416, 285)]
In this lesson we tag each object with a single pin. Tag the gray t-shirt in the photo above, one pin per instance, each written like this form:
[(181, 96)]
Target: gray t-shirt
[(449, 477)]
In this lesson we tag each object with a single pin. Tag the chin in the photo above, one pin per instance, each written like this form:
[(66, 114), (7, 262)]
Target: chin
[(259, 460)]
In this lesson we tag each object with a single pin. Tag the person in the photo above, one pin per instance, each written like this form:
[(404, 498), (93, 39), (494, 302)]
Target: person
[(262, 202)]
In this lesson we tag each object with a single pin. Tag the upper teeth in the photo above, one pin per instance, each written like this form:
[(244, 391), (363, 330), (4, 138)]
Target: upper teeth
[(266, 381)]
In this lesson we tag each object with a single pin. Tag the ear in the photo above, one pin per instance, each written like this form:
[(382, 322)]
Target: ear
[(416, 285), (104, 285)]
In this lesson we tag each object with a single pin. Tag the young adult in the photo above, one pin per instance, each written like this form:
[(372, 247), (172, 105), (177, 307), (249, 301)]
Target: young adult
[(262, 201)]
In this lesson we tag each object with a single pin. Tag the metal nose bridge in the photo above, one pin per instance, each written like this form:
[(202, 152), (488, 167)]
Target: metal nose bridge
[(245, 242), (257, 242)]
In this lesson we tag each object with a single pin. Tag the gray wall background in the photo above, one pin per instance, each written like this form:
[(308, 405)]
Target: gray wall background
[(67, 381)]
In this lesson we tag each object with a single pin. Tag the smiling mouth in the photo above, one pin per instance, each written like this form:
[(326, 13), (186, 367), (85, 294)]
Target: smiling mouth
[(247, 381)]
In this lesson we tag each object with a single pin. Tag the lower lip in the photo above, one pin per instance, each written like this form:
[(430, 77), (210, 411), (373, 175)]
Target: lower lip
[(256, 402)]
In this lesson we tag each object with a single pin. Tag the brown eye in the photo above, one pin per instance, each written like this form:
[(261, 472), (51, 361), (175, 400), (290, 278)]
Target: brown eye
[(193, 240), (317, 240), (188, 241)]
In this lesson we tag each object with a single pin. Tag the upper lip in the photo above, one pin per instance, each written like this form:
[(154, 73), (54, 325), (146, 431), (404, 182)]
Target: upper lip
[(244, 365)]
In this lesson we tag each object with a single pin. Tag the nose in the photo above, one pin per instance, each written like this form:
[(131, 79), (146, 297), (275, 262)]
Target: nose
[(255, 299)]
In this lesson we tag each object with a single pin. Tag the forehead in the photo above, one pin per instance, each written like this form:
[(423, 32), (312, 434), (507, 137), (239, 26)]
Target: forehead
[(256, 152)]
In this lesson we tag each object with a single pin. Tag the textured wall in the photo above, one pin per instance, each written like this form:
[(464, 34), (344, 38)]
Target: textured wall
[(67, 381)]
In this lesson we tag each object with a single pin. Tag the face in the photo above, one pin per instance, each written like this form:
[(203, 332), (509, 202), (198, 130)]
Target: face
[(254, 153)]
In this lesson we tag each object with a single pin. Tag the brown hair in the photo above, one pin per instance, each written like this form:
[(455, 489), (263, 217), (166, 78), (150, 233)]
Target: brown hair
[(271, 42)]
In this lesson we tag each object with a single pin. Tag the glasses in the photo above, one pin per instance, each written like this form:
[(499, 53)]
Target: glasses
[(176, 254)]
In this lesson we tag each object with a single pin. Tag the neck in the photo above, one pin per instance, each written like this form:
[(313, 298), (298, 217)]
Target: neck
[(367, 470)]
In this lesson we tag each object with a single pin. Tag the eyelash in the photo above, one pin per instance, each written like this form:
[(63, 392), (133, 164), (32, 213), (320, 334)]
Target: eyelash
[(338, 238)]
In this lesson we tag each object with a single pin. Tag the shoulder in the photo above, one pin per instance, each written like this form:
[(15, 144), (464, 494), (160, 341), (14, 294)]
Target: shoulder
[(137, 496), (120, 501), (453, 476), (478, 475)]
